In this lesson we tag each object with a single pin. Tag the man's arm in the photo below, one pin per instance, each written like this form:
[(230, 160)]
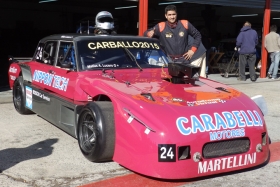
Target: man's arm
[(265, 42), (278, 41), (239, 40), (256, 39), (153, 32), (192, 31), (196, 35)]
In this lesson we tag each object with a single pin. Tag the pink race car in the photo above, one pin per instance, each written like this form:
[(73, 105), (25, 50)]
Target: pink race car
[(125, 100)]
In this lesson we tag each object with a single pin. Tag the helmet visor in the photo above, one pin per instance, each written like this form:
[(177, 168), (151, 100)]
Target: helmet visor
[(105, 19)]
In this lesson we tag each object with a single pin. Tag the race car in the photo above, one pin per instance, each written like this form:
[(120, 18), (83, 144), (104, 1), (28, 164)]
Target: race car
[(124, 100)]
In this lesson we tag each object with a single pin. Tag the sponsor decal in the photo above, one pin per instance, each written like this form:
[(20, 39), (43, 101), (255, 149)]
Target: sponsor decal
[(226, 163), (227, 134), (168, 35), (28, 93), (13, 70), (55, 81), (102, 65), (205, 102), (177, 100), (38, 94), (225, 121), (181, 34), (13, 77), (167, 153), (122, 44)]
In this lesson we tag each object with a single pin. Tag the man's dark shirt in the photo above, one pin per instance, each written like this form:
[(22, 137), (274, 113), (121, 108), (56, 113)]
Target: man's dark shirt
[(175, 40)]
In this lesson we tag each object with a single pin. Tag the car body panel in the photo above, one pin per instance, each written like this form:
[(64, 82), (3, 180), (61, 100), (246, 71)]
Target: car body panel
[(154, 118)]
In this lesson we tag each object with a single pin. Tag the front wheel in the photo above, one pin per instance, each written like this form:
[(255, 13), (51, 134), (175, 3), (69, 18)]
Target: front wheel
[(96, 131), (19, 97)]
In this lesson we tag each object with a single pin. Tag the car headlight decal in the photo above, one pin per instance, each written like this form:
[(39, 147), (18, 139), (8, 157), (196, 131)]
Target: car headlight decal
[(259, 100), (132, 117)]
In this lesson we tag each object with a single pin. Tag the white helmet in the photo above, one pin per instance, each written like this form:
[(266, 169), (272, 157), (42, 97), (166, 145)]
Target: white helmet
[(104, 20)]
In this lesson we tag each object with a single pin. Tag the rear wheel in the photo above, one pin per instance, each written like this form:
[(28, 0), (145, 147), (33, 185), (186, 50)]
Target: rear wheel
[(96, 131), (19, 97)]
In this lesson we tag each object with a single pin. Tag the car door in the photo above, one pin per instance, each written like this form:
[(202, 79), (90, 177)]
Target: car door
[(64, 79), (42, 64)]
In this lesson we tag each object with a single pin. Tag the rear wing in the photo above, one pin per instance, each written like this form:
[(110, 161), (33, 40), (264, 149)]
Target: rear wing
[(12, 59)]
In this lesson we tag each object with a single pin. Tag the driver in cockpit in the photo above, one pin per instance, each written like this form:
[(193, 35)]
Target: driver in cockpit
[(104, 23)]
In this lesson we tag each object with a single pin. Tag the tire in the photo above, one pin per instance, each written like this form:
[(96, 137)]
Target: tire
[(19, 97), (96, 131)]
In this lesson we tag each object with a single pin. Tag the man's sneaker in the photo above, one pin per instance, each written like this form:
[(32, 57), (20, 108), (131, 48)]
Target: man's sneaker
[(254, 78), (240, 79), (276, 78), (269, 75)]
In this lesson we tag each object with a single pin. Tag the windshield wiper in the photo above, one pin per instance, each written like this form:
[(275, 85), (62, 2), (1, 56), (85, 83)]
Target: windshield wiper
[(132, 57)]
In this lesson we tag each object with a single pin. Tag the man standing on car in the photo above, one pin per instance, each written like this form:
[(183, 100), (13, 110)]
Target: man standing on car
[(246, 45), (272, 45), (173, 36)]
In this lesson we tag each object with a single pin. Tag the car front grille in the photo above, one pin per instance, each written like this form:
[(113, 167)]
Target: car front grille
[(226, 147)]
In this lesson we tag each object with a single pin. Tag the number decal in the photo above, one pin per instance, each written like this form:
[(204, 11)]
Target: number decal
[(146, 45), (142, 44), (170, 153), (162, 156), (156, 45), (167, 153)]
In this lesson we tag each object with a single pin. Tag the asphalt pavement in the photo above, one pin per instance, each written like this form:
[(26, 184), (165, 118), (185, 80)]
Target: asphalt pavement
[(5, 95)]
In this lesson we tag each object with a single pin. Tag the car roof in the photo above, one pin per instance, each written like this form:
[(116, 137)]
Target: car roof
[(77, 37)]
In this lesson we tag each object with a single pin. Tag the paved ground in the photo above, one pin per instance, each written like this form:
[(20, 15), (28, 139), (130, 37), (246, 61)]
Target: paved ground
[(35, 153)]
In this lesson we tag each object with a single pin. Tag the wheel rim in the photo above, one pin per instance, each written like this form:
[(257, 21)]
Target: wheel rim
[(17, 97), (88, 132)]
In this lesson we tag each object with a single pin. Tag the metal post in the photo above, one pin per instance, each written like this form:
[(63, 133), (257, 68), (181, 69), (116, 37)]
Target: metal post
[(143, 17), (266, 25)]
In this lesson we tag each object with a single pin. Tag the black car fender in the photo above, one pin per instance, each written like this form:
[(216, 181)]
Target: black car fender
[(26, 72)]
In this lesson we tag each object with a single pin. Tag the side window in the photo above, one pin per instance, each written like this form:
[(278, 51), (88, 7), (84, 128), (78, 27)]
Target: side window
[(48, 54), (66, 54), (39, 53)]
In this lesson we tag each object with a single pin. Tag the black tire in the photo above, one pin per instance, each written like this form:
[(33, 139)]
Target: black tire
[(19, 97), (96, 131)]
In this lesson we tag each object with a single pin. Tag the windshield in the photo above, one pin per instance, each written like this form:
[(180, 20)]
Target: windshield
[(101, 54)]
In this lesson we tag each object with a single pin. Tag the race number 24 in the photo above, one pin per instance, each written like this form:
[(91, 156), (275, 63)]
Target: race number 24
[(167, 153)]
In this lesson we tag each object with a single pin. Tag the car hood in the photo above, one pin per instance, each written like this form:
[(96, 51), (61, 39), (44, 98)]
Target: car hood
[(154, 86)]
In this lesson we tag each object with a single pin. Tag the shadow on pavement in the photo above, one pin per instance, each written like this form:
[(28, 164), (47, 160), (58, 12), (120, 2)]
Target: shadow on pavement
[(4, 88), (12, 156)]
